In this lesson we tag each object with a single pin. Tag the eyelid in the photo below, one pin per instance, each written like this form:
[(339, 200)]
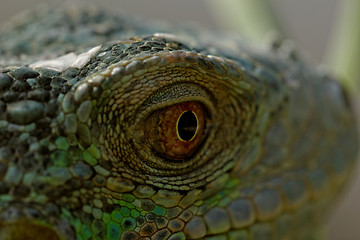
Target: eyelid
[(176, 93)]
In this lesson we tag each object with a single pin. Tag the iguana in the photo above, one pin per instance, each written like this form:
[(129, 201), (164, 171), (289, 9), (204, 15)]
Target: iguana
[(112, 127)]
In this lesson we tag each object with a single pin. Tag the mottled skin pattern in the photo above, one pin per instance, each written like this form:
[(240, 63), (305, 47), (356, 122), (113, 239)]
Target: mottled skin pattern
[(77, 159)]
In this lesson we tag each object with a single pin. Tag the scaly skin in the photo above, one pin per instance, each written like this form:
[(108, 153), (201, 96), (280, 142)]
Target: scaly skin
[(85, 144)]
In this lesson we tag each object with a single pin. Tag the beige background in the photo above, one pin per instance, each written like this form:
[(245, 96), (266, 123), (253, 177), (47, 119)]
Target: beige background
[(309, 22)]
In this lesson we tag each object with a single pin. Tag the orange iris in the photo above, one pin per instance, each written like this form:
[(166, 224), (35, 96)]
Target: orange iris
[(176, 131)]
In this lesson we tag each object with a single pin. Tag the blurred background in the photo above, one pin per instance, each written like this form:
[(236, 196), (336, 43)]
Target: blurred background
[(308, 22)]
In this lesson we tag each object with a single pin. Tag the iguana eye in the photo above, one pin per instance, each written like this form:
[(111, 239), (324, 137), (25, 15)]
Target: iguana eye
[(176, 131), (172, 129)]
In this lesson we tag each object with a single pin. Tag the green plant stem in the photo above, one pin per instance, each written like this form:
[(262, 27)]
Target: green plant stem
[(343, 52), (252, 19)]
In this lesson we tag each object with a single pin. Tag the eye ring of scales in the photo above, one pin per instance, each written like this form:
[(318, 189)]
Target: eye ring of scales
[(76, 160)]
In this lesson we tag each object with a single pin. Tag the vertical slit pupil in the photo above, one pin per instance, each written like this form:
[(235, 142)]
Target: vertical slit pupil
[(187, 126)]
